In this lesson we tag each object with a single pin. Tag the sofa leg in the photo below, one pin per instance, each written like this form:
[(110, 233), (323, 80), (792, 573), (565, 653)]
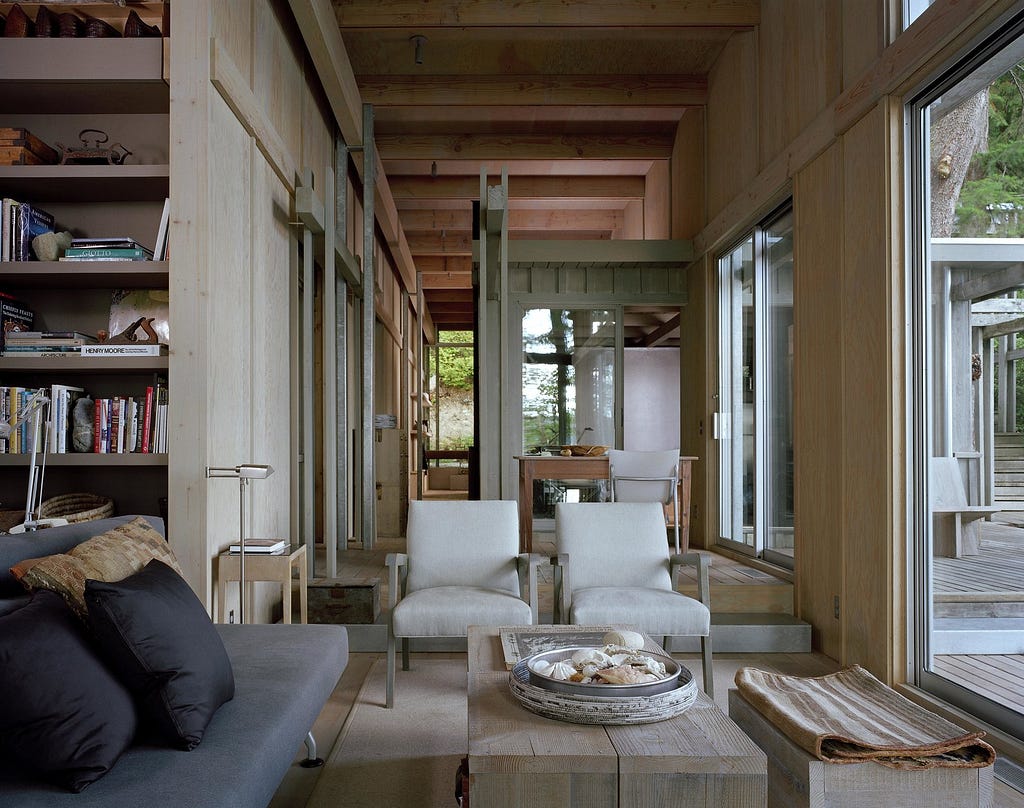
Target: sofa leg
[(311, 761), (405, 653)]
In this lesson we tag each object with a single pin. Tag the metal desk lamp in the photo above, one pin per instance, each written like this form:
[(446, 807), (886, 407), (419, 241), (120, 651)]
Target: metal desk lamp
[(244, 473), (37, 408)]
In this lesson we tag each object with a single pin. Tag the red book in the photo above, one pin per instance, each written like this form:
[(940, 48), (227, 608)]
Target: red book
[(147, 416), (97, 438)]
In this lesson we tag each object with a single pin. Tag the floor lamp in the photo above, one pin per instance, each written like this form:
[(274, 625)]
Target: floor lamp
[(243, 473)]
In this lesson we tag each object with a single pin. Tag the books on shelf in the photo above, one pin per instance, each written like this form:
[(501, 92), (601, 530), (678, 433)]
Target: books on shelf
[(23, 344), (160, 248), (120, 248), (132, 424), (130, 349), (14, 316), (21, 223), (62, 404), (265, 546)]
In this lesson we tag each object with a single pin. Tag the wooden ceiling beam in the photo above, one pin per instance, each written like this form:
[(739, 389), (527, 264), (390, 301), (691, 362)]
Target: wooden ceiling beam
[(662, 332), (469, 14), (562, 219), (513, 147), (445, 280), (429, 264), (449, 295), (534, 90), (519, 168), (441, 244), (404, 187)]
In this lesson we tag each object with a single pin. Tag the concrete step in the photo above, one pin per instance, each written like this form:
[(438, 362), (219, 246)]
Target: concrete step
[(734, 633), (1009, 439), (966, 635)]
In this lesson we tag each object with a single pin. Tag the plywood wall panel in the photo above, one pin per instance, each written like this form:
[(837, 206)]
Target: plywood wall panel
[(818, 399), (867, 370), (732, 136), (277, 80), (696, 386), (865, 35), (799, 68), (270, 346), (687, 176), (231, 23)]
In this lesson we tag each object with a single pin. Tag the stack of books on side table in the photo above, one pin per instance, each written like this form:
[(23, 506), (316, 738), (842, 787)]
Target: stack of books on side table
[(263, 546)]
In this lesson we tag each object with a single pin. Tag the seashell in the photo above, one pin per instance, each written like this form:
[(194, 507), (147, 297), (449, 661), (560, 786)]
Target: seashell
[(540, 666), (632, 640), (561, 670), (590, 656)]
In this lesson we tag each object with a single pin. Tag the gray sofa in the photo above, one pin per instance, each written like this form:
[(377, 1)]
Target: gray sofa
[(283, 676)]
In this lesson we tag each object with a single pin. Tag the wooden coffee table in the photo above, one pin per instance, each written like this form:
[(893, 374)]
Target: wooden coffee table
[(516, 757)]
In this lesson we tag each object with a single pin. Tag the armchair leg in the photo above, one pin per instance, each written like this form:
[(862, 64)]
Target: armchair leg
[(405, 653), (390, 693), (709, 673)]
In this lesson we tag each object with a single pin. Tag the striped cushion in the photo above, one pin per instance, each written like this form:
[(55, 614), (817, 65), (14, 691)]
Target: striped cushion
[(110, 556)]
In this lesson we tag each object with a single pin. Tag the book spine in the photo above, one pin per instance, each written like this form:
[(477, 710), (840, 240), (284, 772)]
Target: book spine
[(124, 350), (106, 253), (97, 415), (147, 417)]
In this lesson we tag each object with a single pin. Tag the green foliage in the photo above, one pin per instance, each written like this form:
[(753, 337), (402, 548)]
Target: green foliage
[(991, 201), (455, 365)]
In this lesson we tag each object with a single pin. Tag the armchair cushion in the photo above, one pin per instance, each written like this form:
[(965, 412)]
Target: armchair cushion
[(447, 611), (664, 613), (457, 557)]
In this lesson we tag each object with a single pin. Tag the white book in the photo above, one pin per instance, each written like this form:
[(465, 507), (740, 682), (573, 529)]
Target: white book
[(145, 349), (160, 248), (265, 546)]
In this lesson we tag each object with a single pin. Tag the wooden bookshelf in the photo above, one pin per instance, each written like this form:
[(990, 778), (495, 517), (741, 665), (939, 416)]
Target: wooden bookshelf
[(55, 88), (84, 274)]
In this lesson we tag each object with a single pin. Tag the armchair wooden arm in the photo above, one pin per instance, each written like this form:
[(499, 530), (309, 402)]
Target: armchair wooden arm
[(701, 562), (526, 566), (398, 573)]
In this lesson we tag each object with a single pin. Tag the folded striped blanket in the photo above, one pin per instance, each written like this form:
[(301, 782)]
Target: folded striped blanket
[(851, 717)]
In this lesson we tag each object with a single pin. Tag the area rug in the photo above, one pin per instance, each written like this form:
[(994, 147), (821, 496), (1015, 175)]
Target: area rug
[(851, 717), (405, 757)]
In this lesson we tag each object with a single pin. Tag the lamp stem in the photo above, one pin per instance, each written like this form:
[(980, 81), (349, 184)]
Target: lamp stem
[(242, 481)]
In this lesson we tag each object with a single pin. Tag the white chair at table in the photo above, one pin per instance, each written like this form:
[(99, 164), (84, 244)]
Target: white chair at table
[(646, 477), (613, 567), (462, 567)]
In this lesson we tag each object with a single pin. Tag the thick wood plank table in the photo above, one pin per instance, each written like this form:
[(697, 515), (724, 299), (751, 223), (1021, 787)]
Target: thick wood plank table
[(544, 467), (699, 759)]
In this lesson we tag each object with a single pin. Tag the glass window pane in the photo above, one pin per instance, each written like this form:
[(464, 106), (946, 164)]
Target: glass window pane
[(778, 253)]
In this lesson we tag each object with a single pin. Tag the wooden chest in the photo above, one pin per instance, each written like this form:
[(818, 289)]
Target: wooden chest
[(799, 780), (337, 600)]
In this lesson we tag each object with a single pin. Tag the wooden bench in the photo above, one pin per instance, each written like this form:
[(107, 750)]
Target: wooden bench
[(797, 779)]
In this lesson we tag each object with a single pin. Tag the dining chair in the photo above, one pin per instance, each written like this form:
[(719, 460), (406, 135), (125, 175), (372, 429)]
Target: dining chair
[(461, 568), (646, 477), (612, 566)]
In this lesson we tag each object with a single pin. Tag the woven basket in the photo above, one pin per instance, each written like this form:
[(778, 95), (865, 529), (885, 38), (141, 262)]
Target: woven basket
[(77, 507), (596, 710)]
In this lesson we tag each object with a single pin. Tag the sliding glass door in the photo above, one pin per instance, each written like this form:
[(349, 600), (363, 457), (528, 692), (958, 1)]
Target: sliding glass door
[(966, 444), (754, 416)]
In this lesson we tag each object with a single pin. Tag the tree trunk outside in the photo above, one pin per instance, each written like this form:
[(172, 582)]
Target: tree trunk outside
[(955, 138)]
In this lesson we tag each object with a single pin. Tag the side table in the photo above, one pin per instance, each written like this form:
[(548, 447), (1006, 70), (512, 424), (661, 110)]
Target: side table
[(265, 567)]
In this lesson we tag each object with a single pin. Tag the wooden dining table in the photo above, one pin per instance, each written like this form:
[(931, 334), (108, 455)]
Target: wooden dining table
[(548, 467)]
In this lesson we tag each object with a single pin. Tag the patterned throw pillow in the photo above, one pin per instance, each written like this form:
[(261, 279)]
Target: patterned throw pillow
[(111, 556)]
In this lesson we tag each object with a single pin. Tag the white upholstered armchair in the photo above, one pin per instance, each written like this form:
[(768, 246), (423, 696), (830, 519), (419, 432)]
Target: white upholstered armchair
[(461, 568), (613, 566)]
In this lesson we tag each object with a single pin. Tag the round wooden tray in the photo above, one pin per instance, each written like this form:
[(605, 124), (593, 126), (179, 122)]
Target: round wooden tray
[(585, 709)]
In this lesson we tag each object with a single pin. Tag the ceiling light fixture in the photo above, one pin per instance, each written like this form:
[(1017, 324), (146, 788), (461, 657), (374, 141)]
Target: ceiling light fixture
[(418, 41), (433, 169)]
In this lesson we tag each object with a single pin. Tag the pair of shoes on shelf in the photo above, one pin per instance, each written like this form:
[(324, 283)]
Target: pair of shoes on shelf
[(69, 25)]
